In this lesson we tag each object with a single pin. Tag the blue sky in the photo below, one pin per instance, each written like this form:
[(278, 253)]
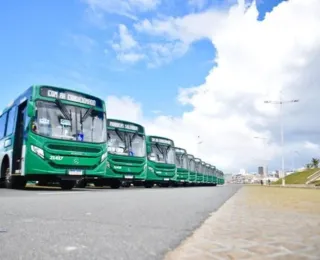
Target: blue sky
[(56, 42)]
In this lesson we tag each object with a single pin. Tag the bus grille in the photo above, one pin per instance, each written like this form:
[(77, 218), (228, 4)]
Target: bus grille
[(125, 160), (73, 148), (66, 167)]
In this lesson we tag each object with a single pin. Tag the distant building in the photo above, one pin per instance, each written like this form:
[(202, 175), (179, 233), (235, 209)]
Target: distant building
[(260, 171)]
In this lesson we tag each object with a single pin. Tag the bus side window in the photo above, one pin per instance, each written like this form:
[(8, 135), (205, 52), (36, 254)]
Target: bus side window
[(3, 120), (11, 120)]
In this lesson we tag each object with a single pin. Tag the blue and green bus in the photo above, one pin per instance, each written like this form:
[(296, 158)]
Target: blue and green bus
[(52, 134)]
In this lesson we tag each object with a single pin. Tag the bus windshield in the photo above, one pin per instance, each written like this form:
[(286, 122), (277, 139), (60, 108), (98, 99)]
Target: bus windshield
[(69, 122), (126, 143), (162, 153), (192, 166), (198, 166), (182, 160)]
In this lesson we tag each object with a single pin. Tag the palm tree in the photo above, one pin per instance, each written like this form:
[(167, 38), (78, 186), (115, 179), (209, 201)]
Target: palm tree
[(315, 162)]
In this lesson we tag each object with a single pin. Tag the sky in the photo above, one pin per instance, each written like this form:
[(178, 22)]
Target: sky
[(196, 71)]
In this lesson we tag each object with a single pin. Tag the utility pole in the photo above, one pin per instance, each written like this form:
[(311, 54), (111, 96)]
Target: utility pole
[(281, 102)]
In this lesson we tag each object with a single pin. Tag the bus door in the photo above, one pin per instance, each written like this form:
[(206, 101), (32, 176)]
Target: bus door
[(19, 137)]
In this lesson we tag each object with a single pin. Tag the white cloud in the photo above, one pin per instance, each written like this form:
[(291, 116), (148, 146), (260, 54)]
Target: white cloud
[(255, 59), (124, 108), (127, 49), (126, 8)]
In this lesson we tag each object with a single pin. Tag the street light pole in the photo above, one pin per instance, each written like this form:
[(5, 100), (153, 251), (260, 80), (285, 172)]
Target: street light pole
[(281, 103), (265, 172)]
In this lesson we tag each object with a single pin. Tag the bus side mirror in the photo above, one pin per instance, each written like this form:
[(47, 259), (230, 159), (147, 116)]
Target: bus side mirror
[(31, 110)]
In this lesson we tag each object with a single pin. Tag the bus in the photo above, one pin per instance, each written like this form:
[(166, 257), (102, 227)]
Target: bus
[(192, 170), (161, 167), (182, 166), (219, 175), (203, 173), (127, 159), (198, 170), (209, 175), (52, 134), (214, 178)]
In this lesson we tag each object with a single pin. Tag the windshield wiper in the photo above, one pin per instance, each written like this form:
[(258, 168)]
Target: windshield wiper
[(131, 138), (63, 109), (85, 116)]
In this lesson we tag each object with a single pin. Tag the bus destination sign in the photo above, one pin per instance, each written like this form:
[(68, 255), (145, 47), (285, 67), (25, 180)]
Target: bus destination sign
[(69, 96), (178, 150), (123, 125), (160, 140)]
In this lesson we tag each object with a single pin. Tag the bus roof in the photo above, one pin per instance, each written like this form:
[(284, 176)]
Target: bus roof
[(190, 156), (180, 150), (117, 123)]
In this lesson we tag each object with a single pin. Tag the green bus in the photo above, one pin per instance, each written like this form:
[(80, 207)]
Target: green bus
[(182, 166), (203, 173), (209, 175), (192, 170), (219, 177), (127, 159), (199, 174), (214, 178), (51, 134), (161, 167)]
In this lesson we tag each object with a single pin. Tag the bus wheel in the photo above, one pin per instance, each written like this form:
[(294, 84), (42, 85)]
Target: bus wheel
[(67, 184), (148, 185), (14, 182), (81, 183), (115, 184)]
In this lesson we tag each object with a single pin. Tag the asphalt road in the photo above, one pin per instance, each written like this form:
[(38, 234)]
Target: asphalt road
[(126, 224)]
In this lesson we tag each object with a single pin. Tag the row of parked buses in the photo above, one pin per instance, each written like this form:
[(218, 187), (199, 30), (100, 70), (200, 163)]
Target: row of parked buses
[(51, 134)]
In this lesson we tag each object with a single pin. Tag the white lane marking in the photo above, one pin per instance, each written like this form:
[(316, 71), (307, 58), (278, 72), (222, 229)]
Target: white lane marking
[(60, 192)]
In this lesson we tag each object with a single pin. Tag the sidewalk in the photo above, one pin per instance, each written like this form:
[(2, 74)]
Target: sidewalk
[(259, 223)]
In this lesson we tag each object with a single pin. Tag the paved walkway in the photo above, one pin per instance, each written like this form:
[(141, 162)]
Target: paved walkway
[(259, 223)]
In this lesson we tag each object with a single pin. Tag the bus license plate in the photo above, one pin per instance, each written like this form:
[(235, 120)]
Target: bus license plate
[(75, 172), (166, 179), (128, 177)]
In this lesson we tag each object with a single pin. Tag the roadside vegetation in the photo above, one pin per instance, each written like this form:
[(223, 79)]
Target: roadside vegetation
[(302, 177)]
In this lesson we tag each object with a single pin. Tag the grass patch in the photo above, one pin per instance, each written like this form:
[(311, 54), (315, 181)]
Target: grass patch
[(297, 177), (281, 199)]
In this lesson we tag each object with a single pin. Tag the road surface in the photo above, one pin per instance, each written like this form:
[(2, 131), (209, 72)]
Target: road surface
[(102, 223)]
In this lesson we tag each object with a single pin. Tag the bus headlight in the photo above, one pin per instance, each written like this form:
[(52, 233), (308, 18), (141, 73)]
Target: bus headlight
[(38, 151), (104, 156)]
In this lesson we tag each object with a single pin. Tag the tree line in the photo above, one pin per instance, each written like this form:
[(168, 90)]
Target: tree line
[(313, 164)]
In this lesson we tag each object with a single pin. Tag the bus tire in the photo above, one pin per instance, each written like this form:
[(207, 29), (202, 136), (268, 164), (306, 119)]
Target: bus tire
[(116, 184), (67, 184), (81, 184), (12, 182), (148, 184)]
